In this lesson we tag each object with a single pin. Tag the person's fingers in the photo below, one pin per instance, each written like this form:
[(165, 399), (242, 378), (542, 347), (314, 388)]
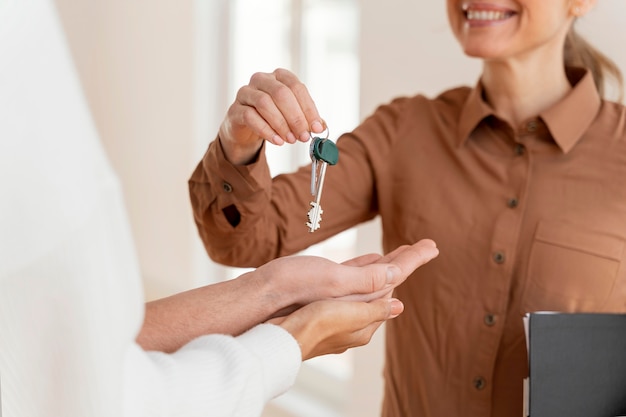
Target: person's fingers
[(396, 307), (392, 269), (275, 107), (378, 280), (423, 244), (367, 297), (277, 104), (355, 280), (319, 277), (312, 121), (284, 102), (277, 320), (360, 314), (363, 260), (330, 326), (408, 258), (385, 309), (388, 257), (369, 317), (259, 111), (242, 117)]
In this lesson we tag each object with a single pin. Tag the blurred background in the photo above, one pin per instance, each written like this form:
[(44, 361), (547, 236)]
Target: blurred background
[(159, 75)]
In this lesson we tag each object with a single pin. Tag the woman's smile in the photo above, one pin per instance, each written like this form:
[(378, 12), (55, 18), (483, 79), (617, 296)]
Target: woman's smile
[(486, 14)]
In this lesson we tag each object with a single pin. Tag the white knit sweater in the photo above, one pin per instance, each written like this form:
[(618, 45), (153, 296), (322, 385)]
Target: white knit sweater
[(71, 301)]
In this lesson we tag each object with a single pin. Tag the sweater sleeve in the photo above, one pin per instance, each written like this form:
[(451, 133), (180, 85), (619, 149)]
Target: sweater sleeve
[(214, 375)]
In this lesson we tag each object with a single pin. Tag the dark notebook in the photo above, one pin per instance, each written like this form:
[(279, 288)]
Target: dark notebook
[(577, 365)]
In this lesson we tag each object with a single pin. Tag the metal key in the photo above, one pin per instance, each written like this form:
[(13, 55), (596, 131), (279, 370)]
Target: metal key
[(322, 152)]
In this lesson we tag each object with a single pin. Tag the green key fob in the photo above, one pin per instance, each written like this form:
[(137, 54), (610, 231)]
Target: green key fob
[(325, 150)]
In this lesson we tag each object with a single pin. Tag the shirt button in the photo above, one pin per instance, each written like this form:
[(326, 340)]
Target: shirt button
[(490, 319), (227, 187), (531, 126), (498, 257), (479, 383), (512, 202), (519, 149)]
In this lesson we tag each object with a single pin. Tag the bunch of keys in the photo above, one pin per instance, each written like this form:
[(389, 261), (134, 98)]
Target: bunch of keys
[(322, 152)]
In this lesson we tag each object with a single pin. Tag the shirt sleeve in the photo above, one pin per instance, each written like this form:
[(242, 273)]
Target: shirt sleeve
[(214, 375), (247, 218)]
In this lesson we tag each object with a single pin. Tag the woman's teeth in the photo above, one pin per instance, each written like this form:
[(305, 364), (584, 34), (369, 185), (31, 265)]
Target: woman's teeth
[(487, 15)]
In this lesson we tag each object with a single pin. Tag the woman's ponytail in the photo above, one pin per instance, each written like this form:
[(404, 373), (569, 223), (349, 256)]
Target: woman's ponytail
[(579, 53)]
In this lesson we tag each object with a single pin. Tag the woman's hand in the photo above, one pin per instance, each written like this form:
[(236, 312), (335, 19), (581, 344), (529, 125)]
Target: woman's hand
[(275, 107), (333, 326), (300, 280)]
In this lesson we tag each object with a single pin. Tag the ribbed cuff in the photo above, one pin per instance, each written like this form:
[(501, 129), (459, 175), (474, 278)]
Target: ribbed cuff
[(279, 353)]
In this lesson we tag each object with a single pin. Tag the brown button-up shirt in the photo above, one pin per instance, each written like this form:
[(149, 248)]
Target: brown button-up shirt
[(526, 218)]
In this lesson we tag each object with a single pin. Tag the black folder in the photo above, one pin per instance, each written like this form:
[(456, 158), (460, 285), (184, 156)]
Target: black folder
[(577, 365)]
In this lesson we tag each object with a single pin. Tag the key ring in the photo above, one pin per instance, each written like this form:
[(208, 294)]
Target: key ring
[(313, 141), (317, 135), (323, 152)]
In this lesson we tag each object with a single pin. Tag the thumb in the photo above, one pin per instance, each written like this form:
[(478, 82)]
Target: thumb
[(396, 307), (388, 308)]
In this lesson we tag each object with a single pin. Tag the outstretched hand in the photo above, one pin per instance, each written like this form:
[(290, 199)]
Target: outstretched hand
[(355, 297), (304, 279)]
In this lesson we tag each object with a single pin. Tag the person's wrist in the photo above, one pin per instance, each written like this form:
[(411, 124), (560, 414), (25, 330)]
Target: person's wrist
[(275, 294), (302, 327), (237, 153)]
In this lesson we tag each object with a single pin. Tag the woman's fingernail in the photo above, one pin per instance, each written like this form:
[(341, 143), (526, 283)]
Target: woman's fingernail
[(317, 127), (396, 307), (391, 274), (277, 140), (291, 138), (304, 136)]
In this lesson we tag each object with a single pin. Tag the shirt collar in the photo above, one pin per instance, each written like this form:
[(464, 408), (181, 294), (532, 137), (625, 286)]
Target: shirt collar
[(473, 112), (567, 120)]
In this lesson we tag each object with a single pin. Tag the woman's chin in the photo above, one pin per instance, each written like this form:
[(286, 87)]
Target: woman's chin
[(481, 53)]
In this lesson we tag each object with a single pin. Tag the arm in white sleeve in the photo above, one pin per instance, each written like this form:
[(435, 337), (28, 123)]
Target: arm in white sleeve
[(214, 375)]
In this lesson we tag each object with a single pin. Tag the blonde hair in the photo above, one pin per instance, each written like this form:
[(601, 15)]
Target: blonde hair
[(580, 53)]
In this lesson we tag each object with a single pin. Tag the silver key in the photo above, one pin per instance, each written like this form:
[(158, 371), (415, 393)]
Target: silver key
[(322, 152), (315, 213)]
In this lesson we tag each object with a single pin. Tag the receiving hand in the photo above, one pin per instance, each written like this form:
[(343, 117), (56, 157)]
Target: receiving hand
[(332, 326), (300, 280)]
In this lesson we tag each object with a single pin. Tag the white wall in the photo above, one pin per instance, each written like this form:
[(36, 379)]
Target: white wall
[(605, 28), (136, 62)]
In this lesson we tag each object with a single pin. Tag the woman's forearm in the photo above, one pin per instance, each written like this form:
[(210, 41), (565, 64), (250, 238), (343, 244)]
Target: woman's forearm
[(229, 307)]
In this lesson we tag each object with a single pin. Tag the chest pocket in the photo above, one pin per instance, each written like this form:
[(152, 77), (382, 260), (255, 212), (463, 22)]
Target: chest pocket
[(571, 269)]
